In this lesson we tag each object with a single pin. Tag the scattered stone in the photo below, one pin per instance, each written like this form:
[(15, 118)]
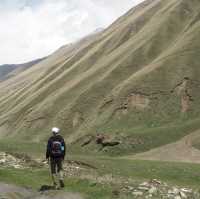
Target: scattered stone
[(7, 160), (149, 196), (158, 189), (155, 181), (143, 188), (175, 190), (153, 190), (186, 190), (18, 161), (130, 188), (183, 195), (137, 193), (144, 184)]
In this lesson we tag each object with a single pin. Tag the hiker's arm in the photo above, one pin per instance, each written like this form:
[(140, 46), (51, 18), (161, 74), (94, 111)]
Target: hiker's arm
[(48, 149), (64, 148)]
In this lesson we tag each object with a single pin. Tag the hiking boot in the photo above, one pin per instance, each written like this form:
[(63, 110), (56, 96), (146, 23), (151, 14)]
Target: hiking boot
[(55, 186), (61, 183)]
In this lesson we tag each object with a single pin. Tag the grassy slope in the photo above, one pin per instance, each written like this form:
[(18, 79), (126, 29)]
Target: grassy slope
[(83, 88)]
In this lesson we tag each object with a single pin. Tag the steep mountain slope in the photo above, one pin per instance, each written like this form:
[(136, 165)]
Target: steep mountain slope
[(9, 70), (137, 82)]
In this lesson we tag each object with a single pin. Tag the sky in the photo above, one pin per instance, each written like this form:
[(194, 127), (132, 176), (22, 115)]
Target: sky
[(31, 29)]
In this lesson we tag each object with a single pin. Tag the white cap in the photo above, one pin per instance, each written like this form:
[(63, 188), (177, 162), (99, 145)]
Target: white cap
[(55, 130)]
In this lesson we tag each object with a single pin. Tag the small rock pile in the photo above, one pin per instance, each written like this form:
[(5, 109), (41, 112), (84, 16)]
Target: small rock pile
[(7, 160), (158, 189), (72, 169), (17, 161)]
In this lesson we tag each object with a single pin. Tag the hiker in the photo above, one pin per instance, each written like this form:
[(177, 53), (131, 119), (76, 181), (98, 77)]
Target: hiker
[(55, 154)]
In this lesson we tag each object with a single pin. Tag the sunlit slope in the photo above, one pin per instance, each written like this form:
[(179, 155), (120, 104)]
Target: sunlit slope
[(128, 81)]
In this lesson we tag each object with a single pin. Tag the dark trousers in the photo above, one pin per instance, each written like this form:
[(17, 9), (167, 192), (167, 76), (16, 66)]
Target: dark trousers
[(56, 170), (56, 165)]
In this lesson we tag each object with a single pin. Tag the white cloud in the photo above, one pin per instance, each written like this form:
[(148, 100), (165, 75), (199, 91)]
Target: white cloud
[(31, 29)]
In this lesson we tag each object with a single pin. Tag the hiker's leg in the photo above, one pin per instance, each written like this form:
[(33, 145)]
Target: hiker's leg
[(60, 168), (53, 171), (60, 172)]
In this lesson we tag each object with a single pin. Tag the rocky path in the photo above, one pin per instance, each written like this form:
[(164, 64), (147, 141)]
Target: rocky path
[(13, 192)]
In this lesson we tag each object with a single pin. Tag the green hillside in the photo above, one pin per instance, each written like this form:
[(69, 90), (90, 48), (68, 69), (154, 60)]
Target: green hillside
[(137, 82)]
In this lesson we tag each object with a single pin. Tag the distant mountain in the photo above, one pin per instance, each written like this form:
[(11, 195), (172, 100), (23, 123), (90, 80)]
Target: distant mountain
[(136, 82), (8, 70)]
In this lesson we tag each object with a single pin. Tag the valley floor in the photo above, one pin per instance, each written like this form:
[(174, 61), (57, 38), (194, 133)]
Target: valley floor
[(101, 177), (170, 171)]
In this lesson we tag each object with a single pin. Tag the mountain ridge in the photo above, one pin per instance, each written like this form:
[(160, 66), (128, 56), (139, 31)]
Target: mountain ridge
[(9, 70)]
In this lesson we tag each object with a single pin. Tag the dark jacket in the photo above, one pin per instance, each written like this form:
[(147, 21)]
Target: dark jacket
[(49, 146)]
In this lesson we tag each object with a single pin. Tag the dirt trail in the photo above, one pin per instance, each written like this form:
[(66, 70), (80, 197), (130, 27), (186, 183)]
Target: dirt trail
[(180, 151), (14, 192)]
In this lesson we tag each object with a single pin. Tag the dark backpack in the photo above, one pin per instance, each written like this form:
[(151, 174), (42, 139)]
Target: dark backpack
[(56, 148)]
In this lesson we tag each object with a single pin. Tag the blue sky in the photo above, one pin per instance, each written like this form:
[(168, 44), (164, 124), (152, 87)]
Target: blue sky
[(35, 28)]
